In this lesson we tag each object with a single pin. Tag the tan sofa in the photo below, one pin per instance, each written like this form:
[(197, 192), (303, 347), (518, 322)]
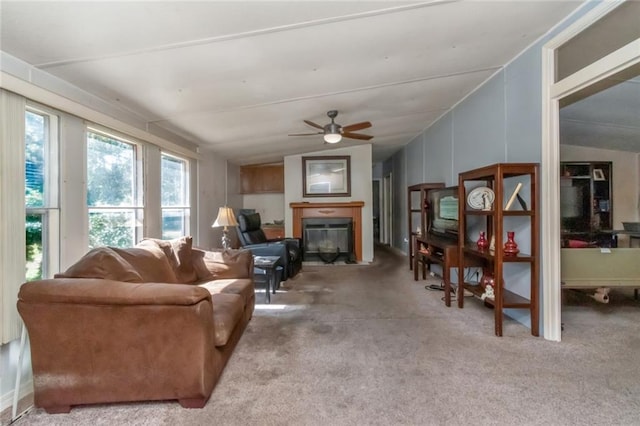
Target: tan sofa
[(154, 322)]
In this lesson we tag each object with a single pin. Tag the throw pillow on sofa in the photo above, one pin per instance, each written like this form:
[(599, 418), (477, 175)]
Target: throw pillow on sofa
[(178, 252), (150, 262)]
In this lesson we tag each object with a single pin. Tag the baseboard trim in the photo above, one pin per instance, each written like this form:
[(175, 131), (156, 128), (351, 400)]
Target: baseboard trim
[(7, 399)]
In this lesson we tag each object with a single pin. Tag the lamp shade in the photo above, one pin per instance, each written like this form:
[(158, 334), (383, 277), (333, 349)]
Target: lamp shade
[(225, 218)]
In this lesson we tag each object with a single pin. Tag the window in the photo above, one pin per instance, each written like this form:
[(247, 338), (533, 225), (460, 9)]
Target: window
[(114, 194), (41, 194), (175, 196)]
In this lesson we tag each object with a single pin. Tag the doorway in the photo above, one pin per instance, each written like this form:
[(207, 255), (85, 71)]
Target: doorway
[(377, 198), (387, 209), (555, 93)]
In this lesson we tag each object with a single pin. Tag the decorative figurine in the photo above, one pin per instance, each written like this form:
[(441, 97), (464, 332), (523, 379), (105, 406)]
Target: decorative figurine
[(487, 283)]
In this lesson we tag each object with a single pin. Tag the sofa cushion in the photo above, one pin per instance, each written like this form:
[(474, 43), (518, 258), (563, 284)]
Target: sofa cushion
[(178, 251), (220, 264), (227, 313), (150, 262), (240, 286), (105, 263)]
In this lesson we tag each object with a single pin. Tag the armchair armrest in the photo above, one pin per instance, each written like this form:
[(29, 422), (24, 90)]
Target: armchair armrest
[(222, 264)]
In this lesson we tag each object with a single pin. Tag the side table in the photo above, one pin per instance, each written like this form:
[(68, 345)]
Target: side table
[(269, 265)]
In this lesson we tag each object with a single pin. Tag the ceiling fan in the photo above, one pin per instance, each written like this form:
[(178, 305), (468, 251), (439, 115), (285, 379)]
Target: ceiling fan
[(333, 132)]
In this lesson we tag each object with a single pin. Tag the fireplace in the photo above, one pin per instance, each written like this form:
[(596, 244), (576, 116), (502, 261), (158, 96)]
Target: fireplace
[(327, 239), (334, 210)]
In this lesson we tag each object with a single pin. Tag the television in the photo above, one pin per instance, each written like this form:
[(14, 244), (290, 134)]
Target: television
[(442, 212)]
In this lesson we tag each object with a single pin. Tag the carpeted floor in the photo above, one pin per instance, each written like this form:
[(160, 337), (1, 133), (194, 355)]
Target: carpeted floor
[(367, 345)]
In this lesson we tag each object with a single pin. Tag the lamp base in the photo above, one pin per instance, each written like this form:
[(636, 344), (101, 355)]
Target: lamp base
[(226, 241)]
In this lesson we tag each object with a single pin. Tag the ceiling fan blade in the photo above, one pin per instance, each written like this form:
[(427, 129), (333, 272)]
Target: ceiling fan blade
[(312, 124), (356, 126), (306, 134), (356, 136)]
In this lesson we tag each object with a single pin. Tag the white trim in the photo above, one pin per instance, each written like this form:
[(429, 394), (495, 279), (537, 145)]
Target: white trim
[(611, 64), (583, 23), (550, 205), (6, 400), (550, 179)]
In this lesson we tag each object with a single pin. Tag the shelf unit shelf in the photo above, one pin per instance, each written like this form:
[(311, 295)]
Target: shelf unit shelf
[(417, 194), (509, 299), (502, 178)]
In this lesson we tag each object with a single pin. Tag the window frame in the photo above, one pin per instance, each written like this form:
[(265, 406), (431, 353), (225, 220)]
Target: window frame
[(186, 193), (138, 184), (50, 210)]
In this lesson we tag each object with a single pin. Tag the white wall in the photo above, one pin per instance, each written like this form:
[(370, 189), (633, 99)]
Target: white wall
[(361, 189), (211, 196), (270, 206)]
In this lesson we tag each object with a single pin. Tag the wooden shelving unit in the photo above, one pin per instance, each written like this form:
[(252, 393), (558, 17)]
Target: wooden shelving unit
[(502, 178), (586, 201), (417, 212)]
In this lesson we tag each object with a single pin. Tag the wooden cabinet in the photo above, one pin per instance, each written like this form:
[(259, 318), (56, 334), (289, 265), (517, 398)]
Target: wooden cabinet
[(496, 221), (262, 178), (417, 212), (585, 199), (273, 232)]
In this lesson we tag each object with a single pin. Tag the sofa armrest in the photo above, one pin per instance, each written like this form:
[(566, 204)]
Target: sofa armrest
[(108, 292), (95, 341)]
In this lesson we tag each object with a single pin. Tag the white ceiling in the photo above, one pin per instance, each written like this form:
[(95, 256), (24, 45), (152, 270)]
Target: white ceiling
[(237, 77), (607, 119)]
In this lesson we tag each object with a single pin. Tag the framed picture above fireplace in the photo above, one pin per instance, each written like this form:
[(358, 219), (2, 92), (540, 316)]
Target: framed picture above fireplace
[(328, 176)]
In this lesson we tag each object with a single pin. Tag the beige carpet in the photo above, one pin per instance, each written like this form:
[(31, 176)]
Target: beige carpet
[(367, 345)]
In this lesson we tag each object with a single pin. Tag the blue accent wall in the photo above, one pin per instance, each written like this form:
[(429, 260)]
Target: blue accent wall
[(415, 168), (438, 152), (500, 122)]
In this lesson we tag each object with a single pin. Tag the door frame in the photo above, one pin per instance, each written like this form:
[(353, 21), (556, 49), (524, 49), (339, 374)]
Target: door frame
[(380, 209), (387, 210), (552, 93)]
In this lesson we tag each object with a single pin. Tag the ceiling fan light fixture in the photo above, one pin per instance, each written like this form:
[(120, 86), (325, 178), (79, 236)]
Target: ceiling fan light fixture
[(332, 132), (332, 137)]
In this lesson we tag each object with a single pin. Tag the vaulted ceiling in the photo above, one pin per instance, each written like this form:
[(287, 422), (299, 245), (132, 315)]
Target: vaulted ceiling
[(237, 77)]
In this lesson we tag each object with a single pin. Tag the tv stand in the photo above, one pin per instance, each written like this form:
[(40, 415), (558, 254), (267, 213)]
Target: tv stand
[(442, 251)]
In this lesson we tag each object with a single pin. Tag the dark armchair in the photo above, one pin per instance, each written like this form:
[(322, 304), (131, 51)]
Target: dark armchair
[(252, 237)]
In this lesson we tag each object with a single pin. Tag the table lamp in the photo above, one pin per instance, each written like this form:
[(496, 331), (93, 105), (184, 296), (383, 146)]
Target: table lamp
[(225, 219)]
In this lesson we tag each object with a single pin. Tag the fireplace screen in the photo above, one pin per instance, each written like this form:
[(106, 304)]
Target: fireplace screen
[(328, 239)]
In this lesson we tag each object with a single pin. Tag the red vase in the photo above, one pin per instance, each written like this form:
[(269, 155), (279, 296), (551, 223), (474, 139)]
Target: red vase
[(482, 242), (510, 247), (487, 278)]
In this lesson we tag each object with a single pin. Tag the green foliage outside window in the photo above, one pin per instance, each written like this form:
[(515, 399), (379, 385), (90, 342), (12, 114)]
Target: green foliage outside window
[(110, 183), (35, 140)]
